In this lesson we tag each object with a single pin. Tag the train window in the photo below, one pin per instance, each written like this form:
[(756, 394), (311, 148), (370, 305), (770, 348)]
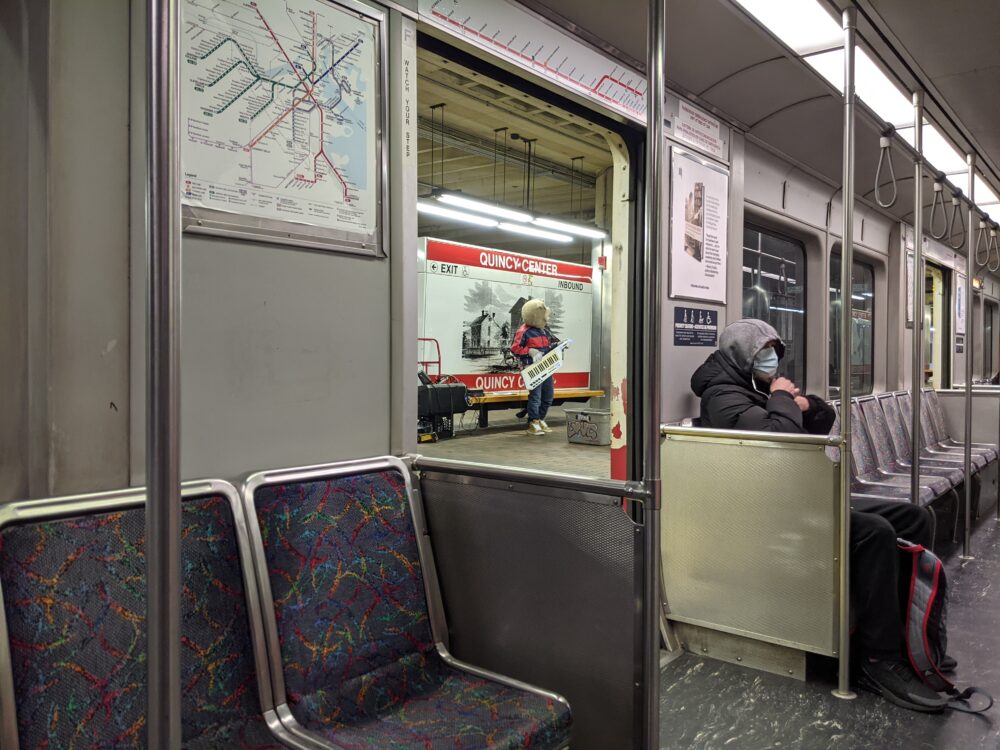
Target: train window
[(862, 314), (937, 326), (774, 289)]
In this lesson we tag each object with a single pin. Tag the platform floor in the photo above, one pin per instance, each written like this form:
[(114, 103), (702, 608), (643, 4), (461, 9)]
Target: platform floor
[(506, 443), (707, 704)]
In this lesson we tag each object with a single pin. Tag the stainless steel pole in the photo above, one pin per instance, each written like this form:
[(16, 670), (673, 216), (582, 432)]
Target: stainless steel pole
[(917, 375), (163, 266), (655, 208), (970, 160), (846, 312)]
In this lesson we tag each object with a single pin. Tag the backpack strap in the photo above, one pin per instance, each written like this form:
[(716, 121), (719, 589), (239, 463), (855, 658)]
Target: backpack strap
[(959, 701)]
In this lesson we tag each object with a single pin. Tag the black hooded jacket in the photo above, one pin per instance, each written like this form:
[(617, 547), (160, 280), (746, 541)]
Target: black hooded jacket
[(731, 400)]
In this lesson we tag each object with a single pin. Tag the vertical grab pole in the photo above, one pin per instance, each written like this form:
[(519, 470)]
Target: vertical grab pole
[(917, 375), (163, 266), (653, 258), (970, 160), (846, 285)]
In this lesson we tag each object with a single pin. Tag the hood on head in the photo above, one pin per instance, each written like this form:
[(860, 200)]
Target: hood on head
[(741, 340), (535, 313)]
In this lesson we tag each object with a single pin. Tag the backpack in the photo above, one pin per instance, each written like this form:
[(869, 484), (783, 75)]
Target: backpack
[(925, 624)]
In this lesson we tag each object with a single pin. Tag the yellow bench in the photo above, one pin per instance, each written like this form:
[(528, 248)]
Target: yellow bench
[(509, 399)]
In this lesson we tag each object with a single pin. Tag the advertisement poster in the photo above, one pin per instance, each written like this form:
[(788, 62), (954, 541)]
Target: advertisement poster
[(699, 224), (469, 302)]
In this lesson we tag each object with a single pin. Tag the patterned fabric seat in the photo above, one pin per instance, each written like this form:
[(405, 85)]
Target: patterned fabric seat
[(869, 476), (878, 431), (360, 665), (899, 432), (927, 440), (74, 592), (939, 429)]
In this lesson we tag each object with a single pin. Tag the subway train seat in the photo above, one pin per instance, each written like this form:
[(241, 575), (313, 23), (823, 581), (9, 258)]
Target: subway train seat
[(74, 591), (351, 626)]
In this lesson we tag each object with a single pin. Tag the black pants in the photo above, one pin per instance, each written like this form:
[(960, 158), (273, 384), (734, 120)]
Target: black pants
[(875, 574)]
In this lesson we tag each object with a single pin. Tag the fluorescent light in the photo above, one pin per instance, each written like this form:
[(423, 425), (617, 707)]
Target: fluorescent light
[(449, 213), (939, 151), (532, 232), (984, 193), (786, 309), (801, 24), (871, 85), (483, 207), (858, 297), (573, 229)]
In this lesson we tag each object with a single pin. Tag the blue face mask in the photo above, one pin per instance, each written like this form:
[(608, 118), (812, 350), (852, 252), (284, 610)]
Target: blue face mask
[(766, 361)]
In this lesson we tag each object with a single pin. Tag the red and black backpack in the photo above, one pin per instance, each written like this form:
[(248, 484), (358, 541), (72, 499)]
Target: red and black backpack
[(925, 624)]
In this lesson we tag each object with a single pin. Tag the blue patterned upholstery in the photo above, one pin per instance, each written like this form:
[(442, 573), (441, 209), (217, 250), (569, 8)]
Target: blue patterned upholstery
[(74, 592), (360, 664)]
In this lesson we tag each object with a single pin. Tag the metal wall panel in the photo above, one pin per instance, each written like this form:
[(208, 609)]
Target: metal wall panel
[(539, 584), (749, 538)]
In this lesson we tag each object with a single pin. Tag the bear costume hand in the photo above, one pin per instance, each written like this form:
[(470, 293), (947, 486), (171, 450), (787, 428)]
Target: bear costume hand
[(535, 354)]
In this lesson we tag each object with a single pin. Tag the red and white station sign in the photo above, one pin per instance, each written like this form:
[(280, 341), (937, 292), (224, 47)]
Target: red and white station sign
[(469, 303)]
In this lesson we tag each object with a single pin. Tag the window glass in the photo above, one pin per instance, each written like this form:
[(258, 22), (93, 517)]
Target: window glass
[(862, 316), (774, 289)]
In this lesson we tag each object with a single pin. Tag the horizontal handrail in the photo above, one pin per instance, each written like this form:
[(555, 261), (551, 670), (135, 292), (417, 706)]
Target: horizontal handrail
[(636, 490), (763, 437)]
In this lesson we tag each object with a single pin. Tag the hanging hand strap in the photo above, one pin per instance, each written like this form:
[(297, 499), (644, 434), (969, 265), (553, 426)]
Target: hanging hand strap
[(938, 201), (956, 210), (885, 154)]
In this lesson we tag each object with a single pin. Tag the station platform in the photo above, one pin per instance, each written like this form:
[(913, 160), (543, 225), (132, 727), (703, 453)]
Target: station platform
[(505, 443)]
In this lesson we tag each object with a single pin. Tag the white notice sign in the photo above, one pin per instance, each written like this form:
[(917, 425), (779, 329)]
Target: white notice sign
[(699, 218), (700, 130), (279, 112)]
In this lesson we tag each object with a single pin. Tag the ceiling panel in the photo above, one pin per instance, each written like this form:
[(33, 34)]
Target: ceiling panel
[(756, 93), (955, 45)]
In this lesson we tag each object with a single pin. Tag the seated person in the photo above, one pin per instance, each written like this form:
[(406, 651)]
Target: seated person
[(740, 389)]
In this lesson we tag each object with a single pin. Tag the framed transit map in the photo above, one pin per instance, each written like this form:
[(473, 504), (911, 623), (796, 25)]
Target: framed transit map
[(282, 115)]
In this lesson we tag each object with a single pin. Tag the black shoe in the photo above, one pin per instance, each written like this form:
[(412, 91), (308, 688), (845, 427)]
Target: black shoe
[(947, 664), (896, 681), (522, 414)]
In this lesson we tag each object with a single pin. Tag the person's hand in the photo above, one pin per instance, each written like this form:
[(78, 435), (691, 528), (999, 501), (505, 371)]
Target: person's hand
[(803, 403), (783, 384), (535, 354)]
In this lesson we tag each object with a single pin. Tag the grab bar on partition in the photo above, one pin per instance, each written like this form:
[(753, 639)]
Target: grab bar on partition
[(938, 201), (885, 155)]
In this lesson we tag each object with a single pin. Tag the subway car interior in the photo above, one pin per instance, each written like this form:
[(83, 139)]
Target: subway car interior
[(425, 374)]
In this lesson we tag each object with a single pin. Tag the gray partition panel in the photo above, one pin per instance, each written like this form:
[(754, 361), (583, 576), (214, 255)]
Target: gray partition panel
[(541, 584)]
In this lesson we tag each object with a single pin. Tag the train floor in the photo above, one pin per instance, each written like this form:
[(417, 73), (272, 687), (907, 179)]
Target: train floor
[(708, 704), (506, 443)]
